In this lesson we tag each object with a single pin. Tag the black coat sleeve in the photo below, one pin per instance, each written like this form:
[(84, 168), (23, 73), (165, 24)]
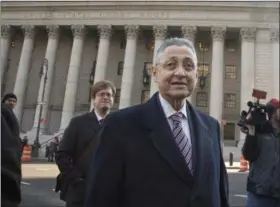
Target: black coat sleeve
[(105, 174), (10, 166), (250, 149), (66, 152), (224, 186)]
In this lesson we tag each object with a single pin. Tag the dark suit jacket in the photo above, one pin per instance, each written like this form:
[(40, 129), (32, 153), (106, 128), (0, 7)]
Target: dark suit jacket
[(137, 162), (10, 166), (78, 135)]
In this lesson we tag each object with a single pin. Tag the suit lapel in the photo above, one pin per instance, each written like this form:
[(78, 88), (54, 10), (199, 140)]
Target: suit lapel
[(162, 138), (93, 121), (202, 146)]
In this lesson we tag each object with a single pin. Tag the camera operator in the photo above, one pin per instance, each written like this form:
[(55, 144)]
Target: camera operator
[(262, 150)]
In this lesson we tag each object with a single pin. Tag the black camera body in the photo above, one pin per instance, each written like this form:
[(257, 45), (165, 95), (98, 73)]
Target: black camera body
[(258, 114)]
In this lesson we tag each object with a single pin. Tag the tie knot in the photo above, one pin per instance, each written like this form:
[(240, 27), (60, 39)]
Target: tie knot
[(177, 117), (101, 121)]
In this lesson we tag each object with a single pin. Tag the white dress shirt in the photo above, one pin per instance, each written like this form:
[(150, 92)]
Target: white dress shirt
[(169, 111), (98, 116)]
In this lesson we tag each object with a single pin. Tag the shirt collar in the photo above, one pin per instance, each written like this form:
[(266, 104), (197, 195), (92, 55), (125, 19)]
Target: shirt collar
[(169, 110), (97, 115)]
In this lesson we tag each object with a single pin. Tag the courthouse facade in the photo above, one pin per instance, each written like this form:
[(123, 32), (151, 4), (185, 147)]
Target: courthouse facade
[(79, 43)]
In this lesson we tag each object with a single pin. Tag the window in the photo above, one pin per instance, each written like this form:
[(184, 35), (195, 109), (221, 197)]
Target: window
[(230, 100), (202, 46), (201, 99), (117, 96), (230, 72), (150, 44), (203, 70), (231, 45), (146, 73), (229, 131), (145, 96), (123, 43), (91, 80), (120, 68)]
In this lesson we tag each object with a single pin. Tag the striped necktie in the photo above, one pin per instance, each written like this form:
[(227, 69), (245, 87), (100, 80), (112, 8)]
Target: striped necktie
[(181, 139)]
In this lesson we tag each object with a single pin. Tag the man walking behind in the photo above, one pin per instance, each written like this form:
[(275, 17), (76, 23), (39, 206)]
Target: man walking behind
[(78, 143)]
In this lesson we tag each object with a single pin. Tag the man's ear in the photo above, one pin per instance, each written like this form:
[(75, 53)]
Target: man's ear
[(153, 73)]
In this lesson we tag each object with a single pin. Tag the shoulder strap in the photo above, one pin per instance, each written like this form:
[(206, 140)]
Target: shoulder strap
[(85, 151)]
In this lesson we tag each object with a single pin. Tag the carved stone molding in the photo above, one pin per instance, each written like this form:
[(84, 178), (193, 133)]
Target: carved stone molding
[(105, 31), (248, 34), (131, 31), (189, 32), (29, 30), (159, 31), (79, 31), (218, 33), (53, 31), (5, 31), (274, 35)]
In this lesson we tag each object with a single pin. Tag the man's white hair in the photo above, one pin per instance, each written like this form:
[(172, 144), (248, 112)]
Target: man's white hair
[(177, 42)]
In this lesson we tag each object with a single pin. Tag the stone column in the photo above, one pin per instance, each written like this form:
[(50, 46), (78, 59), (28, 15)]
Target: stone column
[(189, 32), (23, 69), (73, 76), (274, 37), (217, 71), (50, 56), (4, 47), (105, 32), (248, 36), (159, 32), (129, 64)]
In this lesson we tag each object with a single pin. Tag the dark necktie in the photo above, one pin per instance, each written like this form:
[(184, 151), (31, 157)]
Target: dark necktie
[(181, 139), (101, 121)]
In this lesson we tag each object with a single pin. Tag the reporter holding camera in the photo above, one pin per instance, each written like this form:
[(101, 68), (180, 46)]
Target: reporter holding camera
[(262, 150)]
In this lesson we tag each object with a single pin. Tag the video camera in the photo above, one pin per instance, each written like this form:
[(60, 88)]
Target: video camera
[(258, 114)]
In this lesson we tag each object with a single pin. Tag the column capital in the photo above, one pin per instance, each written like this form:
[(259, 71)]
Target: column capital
[(105, 31), (159, 31), (29, 30), (248, 34), (131, 31), (189, 32), (274, 34), (53, 31), (5, 31), (218, 33), (79, 31)]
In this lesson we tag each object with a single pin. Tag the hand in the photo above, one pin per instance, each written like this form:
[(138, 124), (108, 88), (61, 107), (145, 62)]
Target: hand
[(250, 130)]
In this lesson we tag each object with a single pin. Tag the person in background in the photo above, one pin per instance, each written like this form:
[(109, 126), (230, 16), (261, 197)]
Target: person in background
[(262, 150), (53, 149), (78, 144), (9, 102), (10, 154), (163, 153)]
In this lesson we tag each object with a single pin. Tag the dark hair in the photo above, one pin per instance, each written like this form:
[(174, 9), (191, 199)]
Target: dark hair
[(101, 85), (8, 96)]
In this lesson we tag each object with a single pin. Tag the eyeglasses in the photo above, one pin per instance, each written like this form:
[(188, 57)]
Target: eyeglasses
[(109, 95)]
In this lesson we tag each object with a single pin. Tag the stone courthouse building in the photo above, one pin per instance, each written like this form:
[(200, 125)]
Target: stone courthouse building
[(77, 43)]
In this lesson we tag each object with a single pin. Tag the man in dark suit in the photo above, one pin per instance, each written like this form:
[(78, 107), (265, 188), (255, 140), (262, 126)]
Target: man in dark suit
[(163, 153), (78, 142)]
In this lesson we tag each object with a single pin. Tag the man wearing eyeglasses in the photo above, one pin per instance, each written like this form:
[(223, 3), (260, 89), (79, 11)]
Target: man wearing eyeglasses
[(77, 145)]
